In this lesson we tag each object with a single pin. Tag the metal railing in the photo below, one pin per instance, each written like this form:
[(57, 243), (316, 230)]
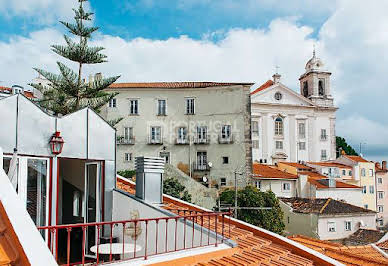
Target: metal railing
[(201, 167), (157, 236), (180, 141), (202, 140), (125, 141), (225, 139), (156, 141)]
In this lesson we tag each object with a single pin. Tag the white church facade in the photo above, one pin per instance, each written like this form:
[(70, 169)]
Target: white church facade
[(291, 126)]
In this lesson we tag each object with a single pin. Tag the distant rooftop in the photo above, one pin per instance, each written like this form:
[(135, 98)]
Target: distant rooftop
[(356, 158), (331, 164), (265, 171), (176, 85)]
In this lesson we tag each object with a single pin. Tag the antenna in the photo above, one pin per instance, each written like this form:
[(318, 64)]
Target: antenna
[(277, 69)]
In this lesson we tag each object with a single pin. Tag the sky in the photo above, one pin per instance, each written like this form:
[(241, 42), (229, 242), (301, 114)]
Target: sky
[(222, 40)]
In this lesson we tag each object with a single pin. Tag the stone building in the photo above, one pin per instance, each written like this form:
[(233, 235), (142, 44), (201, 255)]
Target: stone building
[(294, 127), (201, 128)]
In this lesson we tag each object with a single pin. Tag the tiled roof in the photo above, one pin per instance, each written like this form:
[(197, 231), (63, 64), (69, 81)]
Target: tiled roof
[(323, 206), (348, 255), (356, 158), (314, 175), (331, 164), (297, 165), (383, 245), (265, 171), (364, 236), (175, 85), (11, 251), (28, 94), (254, 247), (323, 183), (266, 85)]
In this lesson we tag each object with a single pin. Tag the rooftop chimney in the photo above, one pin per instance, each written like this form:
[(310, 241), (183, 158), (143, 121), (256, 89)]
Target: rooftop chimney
[(149, 179), (378, 165), (276, 77), (384, 165)]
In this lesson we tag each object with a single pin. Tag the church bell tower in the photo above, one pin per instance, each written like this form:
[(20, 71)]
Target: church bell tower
[(315, 83)]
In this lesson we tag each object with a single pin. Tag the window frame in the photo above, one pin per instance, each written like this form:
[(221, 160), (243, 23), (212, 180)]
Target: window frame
[(380, 193), (286, 186), (223, 159), (380, 208), (331, 225), (371, 189), (190, 106), (112, 103), (128, 157), (302, 147), (226, 132), (323, 155), (222, 181), (154, 133), (348, 225), (161, 109), (279, 127), (134, 106), (279, 147), (302, 130)]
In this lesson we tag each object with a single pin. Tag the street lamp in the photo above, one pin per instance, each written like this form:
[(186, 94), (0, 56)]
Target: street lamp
[(56, 143)]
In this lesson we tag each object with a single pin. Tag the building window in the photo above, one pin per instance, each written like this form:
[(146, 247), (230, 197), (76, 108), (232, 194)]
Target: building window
[(286, 186), (363, 172), (331, 226), (134, 107), (350, 173), (279, 126), (258, 184), (302, 146), (366, 206), (128, 133), (305, 89), (380, 195), (182, 134), (190, 106), (323, 155), (371, 189), (76, 203), (226, 132), (379, 180), (348, 226), (278, 96), (112, 103), (288, 219), (381, 222), (363, 189), (255, 144), (371, 172), (202, 133), (128, 157), (321, 87), (201, 160), (223, 181), (255, 127), (343, 172), (380, 208), (156, 135), (302, 130), (323, 134), (225, 160), (279, 145), (162, 107)]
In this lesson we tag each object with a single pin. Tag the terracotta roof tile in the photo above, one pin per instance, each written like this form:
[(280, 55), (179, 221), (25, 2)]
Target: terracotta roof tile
[(348, 255), (266, 85), (175, 85), (364, 236), (28, 94), (314, 175), (331, 164), (383, 245), (323, 206), (323, 183), (297, 165), (254, 248), (356, 158), (265, 171)]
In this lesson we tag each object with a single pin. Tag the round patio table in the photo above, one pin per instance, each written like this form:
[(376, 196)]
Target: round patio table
[(117, 248)]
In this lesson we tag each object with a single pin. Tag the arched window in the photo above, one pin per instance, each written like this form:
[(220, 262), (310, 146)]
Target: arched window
[(279, 126), (321, 88)]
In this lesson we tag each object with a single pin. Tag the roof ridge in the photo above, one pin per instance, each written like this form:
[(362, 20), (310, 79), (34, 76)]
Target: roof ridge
[(325, 205)]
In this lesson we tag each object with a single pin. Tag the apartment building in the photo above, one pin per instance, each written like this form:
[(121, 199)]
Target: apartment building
[(382, 194), (202, 128)]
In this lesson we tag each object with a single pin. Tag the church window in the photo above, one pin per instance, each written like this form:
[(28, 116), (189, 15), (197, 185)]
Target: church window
[(302, 130), (279, 145), (305, 89), (321, 87), (278, 96), (279, 126)]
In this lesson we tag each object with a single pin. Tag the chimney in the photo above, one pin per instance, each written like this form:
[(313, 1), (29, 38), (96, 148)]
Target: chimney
[(149, 179), (378, 165), (384, 165), (276, 78)]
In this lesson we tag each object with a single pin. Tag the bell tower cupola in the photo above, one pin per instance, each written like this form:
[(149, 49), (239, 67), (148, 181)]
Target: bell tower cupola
[(315, 82)]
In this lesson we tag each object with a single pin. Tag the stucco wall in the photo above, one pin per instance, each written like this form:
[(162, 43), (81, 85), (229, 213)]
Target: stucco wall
[(276, 187), (351, 196), (324, 234), (384, 201)]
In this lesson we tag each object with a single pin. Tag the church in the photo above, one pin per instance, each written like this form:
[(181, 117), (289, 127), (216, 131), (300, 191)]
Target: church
[(291, 126)]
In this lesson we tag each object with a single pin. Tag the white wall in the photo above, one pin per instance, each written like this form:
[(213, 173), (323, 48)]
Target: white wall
[(276, 186), (369, 222), (351, 196)]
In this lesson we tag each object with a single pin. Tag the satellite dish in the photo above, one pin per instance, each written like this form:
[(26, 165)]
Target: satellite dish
[(210, 164), (204, 179)]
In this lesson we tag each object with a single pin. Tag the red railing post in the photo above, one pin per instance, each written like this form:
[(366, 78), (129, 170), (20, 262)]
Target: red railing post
[(134, 246), (110, 242), (192, 240), (123, 239), (216, 219), (156, 236), (98, 244), (166, 249), (176, 227), (201, 230), (208, 231), (222, 240), (83, 244), (146, 240), (184, 233), (68, 245)]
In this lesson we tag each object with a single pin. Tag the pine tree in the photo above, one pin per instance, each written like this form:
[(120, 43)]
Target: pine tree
[(67, 91)]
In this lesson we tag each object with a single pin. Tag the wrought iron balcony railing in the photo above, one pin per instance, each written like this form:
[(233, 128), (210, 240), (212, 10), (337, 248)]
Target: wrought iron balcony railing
[(121, 140)]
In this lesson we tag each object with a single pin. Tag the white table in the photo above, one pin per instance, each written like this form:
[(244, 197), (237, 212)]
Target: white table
[(117, 248)]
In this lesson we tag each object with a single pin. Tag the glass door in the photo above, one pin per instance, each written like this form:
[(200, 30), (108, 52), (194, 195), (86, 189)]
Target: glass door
[(91, 203)]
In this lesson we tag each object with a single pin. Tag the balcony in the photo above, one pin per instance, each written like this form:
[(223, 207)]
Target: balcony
[(121, 140), (155, 141), (226, 139), (180, 141), (202, 140), (201, 167), (137, 238)]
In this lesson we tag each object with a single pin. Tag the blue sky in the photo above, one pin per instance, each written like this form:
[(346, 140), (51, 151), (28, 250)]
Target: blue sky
[(222, 40)]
